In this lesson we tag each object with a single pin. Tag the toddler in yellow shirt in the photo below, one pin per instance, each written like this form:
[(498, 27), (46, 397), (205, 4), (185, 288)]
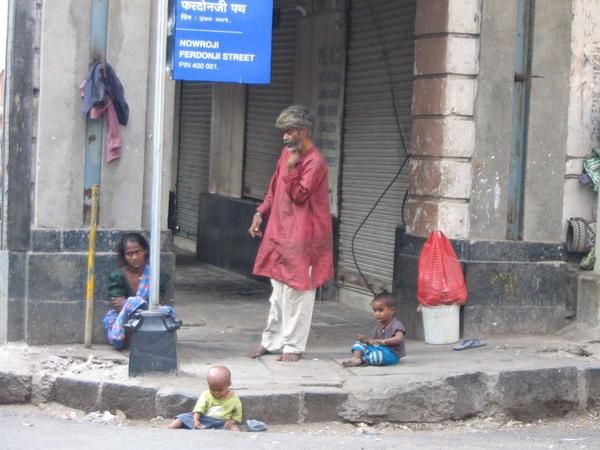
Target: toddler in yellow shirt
[(218, 407)]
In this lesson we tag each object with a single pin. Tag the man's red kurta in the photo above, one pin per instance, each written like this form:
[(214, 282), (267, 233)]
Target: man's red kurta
[(298, 233)]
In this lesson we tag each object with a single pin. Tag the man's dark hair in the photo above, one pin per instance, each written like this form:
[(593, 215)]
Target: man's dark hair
[(386, 298), (131, 237)]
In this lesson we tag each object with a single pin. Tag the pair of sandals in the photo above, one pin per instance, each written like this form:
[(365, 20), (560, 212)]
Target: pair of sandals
[(466, 344)]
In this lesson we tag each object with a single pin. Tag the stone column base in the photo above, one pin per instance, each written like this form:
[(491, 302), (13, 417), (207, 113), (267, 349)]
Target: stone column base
[(513, 287)]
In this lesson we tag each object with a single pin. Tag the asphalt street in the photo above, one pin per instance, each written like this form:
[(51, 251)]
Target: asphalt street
[(27, 429)]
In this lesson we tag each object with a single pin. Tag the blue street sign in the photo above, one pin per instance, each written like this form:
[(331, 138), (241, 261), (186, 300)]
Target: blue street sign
[(219, 40)]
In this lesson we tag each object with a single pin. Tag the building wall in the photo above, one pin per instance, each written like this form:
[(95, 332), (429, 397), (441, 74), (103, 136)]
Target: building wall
[(124, 184), (547, 127), (493, 112), (460, 178), (580, 201), (64, 58), (548, 120), (17, 160), (48, 242)]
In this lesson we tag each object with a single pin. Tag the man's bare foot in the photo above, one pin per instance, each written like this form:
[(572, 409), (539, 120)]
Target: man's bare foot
[(352, 362), (289, 357), (260, 352)]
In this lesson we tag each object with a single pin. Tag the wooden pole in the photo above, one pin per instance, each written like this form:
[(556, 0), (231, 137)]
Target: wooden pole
[(91, 268)]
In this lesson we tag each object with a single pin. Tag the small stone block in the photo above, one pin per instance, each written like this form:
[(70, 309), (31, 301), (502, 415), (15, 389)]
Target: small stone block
[(136, 402), (45, 240), (78, 394), (14, 388), (169, 403), (323, 406), (276, 408)]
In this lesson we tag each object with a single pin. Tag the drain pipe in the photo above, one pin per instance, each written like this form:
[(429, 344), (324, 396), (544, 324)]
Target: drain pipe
[(94, 128), (520, 122), (94, 134)]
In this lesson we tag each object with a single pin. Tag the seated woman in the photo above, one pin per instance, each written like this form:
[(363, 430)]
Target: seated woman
[(129, 288)]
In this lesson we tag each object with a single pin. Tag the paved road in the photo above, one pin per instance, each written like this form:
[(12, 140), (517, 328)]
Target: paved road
[(31, 430)]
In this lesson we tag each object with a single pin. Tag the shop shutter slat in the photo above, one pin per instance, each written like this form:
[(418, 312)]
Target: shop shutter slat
[(194, 154), (373, 151)]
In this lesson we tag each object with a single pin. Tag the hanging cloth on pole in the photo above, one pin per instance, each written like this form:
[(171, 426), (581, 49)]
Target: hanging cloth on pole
[(103, 94)]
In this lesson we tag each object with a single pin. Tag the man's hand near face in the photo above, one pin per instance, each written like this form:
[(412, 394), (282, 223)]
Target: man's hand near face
[(293, 160)]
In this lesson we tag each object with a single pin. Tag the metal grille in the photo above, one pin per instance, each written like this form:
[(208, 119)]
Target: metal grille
[(265, 102), (373, 151), (194, 154)]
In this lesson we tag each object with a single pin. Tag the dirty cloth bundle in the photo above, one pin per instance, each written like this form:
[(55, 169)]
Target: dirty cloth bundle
[(591, 170), (103, 94)]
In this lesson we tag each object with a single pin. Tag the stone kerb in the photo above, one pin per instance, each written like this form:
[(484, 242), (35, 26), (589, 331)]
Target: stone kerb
[(519, 394)]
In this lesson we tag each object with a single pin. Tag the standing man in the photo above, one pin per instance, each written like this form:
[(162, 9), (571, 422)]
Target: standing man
[(297, 248)]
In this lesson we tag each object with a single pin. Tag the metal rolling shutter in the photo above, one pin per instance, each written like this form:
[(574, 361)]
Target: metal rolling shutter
[(264, 103), (372, 151), (194, 154)]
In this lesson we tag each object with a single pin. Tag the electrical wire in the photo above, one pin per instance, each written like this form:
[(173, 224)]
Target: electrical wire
[(406, 155), (369, 285)]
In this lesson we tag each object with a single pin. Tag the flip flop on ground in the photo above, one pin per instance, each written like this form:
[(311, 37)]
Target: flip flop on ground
[(466, 344)]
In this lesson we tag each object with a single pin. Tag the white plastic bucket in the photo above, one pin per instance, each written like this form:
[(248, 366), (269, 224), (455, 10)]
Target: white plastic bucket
[(441, 324)]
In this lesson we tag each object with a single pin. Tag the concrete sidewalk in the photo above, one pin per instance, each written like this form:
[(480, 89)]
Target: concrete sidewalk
[(223, 313)]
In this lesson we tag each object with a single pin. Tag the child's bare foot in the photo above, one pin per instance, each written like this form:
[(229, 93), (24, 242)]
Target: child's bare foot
[(177, 423), (260, 352), (289, 357), (352, 362)]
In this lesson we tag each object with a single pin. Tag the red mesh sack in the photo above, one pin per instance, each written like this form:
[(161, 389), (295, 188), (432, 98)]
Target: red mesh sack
[(441, 280)]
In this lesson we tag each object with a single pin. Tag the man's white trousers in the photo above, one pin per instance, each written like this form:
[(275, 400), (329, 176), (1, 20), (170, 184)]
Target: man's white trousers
[(289, 319)]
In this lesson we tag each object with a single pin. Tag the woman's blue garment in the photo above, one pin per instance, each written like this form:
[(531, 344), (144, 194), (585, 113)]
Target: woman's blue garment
[(114, 323)]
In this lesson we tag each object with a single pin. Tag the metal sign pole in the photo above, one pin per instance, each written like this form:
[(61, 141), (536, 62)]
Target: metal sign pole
[(157, 147)]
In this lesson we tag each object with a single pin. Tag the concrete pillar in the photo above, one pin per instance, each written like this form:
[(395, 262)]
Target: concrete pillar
[(124, 181), (547, 139), (227, 139), (17, 159), (443, 134), (583, 131), (61, 126)]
